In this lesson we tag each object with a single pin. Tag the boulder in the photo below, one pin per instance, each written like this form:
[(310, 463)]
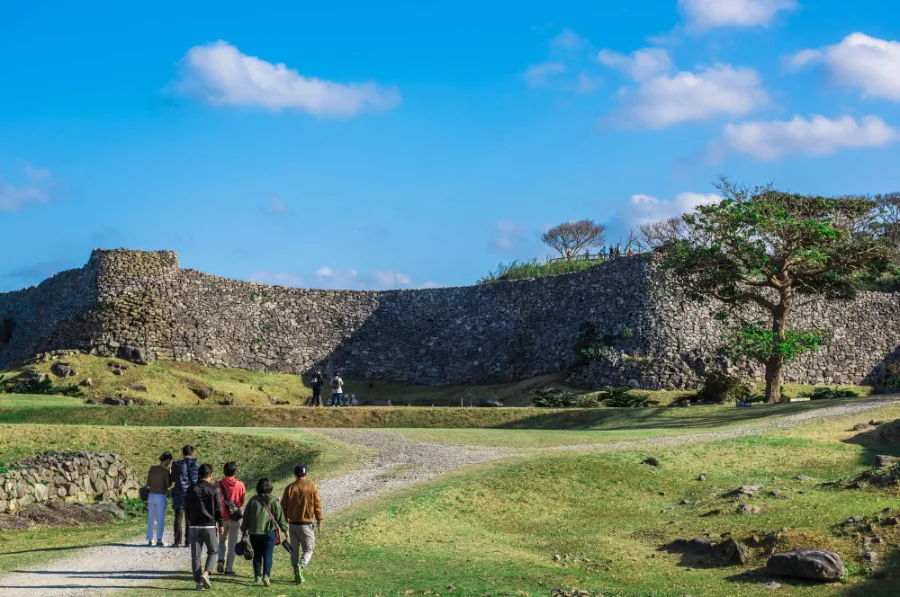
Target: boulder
[(729, 552), (87, 383), (113, 401), (62, 369), (651, 461), (807, 564), (138, 387), (202, 393)]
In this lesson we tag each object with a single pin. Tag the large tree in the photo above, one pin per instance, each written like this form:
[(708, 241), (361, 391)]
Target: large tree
[(757, 251), (570, 239)]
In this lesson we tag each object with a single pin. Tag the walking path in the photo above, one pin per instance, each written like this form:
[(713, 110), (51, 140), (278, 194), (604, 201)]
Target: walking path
[(400, 463)]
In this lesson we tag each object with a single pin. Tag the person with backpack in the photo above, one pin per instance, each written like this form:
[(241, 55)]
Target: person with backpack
[(159, 479), (302, 505), (185, 474), (265, 524), (318, 380), (203, 508), (337, 389), (233, 493)]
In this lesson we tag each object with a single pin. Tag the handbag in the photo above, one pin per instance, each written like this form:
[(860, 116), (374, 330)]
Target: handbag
[(144, 493), (284, 543), (234, 512)]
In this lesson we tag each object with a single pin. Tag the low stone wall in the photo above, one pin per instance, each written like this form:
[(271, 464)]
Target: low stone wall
[(82, 477)]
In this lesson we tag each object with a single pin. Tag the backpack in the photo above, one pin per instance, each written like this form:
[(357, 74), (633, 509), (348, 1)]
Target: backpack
[(335, 384)]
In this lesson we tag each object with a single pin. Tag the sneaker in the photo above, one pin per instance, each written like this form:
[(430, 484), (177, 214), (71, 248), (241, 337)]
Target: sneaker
[(298, 576), (230, 573), (204, 580), (198, 586), (149, 543), (159, 543), (256, 580), (266, 581), (220, 567)]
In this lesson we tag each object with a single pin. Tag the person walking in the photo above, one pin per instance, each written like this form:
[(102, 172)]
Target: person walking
[(318, 380), (337, 389), (159, 479), (302, 505), (233, 493), (184, 475), (264, 522), (203, 508)]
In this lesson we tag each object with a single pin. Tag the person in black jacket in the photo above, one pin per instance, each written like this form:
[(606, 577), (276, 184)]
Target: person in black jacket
[(184, 476), (318, 380), (203, 509)]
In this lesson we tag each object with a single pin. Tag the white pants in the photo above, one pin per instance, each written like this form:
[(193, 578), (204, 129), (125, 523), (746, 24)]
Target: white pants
[(156, 506)]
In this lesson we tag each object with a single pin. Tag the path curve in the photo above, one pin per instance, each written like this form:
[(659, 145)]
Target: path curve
[(400, 463)]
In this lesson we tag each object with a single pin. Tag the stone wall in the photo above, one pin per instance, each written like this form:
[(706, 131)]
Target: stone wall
[(495, 332), (82, 477)]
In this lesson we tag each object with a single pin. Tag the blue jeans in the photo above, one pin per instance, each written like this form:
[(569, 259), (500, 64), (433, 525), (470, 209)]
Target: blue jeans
[(156, 507), (337, 399), (263, 545)]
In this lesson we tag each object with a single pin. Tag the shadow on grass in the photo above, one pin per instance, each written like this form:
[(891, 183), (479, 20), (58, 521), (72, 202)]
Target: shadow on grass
[(884, 582)]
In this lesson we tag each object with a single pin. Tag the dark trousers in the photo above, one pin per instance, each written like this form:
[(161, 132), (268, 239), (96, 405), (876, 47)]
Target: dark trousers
[(203, 539), (317, 396), (180, 538), (263, 545)]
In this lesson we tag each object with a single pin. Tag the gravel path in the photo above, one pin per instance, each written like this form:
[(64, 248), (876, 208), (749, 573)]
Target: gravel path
[(400, 463)]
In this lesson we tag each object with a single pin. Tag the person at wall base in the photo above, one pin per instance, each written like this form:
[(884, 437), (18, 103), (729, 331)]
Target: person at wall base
[(203, 509), (302, 505), (318, 380), (264, 522), (159, 479), (184, 475), (337, 389), (232, 491)]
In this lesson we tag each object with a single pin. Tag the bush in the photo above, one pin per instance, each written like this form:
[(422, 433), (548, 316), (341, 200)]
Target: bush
[(825, 393), (552, 398), (721, 387), (587, 402), (622, 397), (38, 386), (536, 268)]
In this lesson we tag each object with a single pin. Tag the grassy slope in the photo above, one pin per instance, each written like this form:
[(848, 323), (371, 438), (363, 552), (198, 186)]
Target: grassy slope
[(257, 453), (170, 383), (47, 410), (495, 529)]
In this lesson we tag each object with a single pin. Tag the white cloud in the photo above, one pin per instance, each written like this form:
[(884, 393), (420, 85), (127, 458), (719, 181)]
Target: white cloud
[(701, 15), (35, 188), (538, 75), (639, 65), (719, 90), (818, 135), (644, 209), (868, 63), (568, 40), (507, 234), (219, 74), (277, 279), (587, 84)]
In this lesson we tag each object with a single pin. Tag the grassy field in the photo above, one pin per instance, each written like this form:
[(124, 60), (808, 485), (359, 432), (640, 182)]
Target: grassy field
[(498, 529), (56, 410), (258, 453)]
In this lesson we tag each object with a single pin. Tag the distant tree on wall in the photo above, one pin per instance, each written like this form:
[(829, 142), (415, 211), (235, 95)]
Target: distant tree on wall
[(758, 251), (654, 234), (570, 239)]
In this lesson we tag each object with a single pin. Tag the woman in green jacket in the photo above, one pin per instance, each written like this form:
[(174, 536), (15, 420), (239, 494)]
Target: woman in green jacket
[(263, 520)]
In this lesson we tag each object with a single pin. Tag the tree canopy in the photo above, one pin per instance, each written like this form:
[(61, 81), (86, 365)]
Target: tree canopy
[(570, 239), (757, 251)]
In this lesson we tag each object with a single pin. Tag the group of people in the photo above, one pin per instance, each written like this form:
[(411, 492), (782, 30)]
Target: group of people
[(337, 389), (216, 517), (614, 252)]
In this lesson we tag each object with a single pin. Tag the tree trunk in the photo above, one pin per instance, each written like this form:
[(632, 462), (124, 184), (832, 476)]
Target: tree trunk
[(775, 364)]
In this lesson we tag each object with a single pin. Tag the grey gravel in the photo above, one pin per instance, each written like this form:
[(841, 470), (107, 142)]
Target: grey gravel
[(400, 463)]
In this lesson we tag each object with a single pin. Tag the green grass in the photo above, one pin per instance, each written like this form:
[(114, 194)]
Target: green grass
[(257, 452), (495, 529), (538, 268), (36, 410)]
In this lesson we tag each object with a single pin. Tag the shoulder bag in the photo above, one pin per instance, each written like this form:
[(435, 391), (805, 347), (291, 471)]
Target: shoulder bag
[(285, 543)]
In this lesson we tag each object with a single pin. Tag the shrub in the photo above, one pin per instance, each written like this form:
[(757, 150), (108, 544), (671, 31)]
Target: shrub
[(536, 268), (38, 386), (720, 387), (587, 401), (622, 397), (552, 398), (825, 393)]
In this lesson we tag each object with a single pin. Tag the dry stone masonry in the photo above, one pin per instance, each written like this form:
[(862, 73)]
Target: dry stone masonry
[(143, 303), (82, 477)]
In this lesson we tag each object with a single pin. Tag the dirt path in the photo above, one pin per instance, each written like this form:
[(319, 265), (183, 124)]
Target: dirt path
[(400, 463)]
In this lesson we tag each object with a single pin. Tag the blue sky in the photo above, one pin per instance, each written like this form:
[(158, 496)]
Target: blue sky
[(404, 144)]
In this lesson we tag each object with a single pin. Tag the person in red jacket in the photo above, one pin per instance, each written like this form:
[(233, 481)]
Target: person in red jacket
[(233, 491)]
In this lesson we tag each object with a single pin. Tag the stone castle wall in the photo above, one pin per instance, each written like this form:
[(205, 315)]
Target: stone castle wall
[(494, 332)]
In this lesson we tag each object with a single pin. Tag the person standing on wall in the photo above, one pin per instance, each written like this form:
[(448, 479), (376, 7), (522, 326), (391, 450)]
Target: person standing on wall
[(337, 389), (318, 380), (159, 479), (233, 494), (185, 474), (203, 508), (302, 505)]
